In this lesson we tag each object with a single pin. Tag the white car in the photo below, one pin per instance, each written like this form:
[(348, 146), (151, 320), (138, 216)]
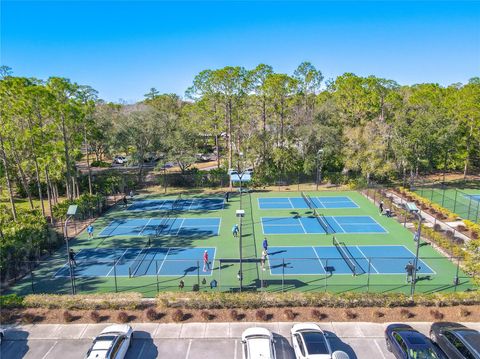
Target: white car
[(309, 341), (112, 343), (258, 343), (121, 160)]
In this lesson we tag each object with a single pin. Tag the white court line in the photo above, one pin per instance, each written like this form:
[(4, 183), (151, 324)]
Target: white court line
[(146, 224), (301, 224), (116, 262), (180, 227), (291, 204), (191, 203), (164, 258), (369, 261), (320, 202), (319, 260), (341, 227)]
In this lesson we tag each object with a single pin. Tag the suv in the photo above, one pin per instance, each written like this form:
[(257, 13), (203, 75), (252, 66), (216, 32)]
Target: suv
[(112, 343), (258, 343), (456, 340)]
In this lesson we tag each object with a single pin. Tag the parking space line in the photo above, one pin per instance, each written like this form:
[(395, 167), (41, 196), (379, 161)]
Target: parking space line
[(235, 350), (188, 349), (379, 349), (49, 350)]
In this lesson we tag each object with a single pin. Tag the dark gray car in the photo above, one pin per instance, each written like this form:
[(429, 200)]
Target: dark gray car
[(456, 340)]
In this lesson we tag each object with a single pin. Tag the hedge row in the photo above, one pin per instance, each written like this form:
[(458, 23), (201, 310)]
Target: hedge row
[(216, 300), (84, 301), (294, 299)]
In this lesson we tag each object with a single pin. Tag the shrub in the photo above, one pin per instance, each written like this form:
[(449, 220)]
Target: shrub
[(436, 314), (11, 301), (206, 315), (28, 318), (350, 314), (461, 228), (95, 316), (318, 315), (178, 315), (123, 317), (407, 314), (151, 314), (289, 314), (437, 227), (67, 316), (464, 312), (260, 314), (234, 314), (84, 301), (378, 314)]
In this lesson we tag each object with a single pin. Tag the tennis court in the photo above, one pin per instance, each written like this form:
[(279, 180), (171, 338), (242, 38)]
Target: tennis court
[(302, 203), (187, 204), (135, 262), (311, 225), (168, 226), (312, 260)]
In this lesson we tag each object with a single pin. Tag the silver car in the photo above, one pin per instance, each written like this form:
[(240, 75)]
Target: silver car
[(258, 343), (112, 343)]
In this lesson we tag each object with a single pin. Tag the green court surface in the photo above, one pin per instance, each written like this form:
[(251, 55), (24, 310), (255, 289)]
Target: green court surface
[(152, 248), (464, 202)]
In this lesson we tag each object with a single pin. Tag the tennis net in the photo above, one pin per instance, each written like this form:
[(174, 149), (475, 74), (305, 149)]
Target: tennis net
[(307, 200), (322, 221), (343, 252), (132, 270), (177, 204)]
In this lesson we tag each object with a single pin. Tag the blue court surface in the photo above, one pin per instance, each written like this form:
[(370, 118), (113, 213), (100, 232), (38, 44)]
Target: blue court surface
[(475, 197), (310, 225), (299, 202), (187, 204), (137, 262), (327, 259), (199, 227)]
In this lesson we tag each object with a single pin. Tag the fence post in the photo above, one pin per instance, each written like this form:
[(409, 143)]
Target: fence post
[(455, 201), (368, 277), (115, 274), (219, 274), (469, 206), (156, 271), (31, 277), (456, 274), (283, 275), (326, 276), (478, 208), (443, 196), (198, 274)]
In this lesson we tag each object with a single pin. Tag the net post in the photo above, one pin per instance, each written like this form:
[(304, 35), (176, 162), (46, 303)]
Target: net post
[(156, 271), (115, 275), (129, 272)]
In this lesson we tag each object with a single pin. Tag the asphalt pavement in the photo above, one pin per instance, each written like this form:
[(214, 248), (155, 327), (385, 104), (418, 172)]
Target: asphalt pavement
[(189, 341)]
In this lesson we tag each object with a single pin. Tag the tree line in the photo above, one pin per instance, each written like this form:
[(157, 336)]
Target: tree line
[(370, 127)]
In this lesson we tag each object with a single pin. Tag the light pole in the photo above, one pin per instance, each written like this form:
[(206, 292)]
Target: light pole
[(72, 209), (319, 166), (412, 208), (240, 213), (240, 175)]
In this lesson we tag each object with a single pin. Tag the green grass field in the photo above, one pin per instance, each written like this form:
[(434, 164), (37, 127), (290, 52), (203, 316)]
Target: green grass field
[(457, 201), (227, 247)]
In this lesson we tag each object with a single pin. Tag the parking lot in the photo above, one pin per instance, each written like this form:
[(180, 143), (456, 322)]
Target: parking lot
[(189, 341)]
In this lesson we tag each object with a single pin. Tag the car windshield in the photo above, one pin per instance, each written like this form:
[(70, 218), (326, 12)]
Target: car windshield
[(424, 353), (315, 343)]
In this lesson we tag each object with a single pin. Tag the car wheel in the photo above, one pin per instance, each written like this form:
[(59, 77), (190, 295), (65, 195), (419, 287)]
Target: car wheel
[(389, 346)]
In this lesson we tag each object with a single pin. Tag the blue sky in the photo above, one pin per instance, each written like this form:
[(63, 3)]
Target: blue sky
[(122, 48)]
